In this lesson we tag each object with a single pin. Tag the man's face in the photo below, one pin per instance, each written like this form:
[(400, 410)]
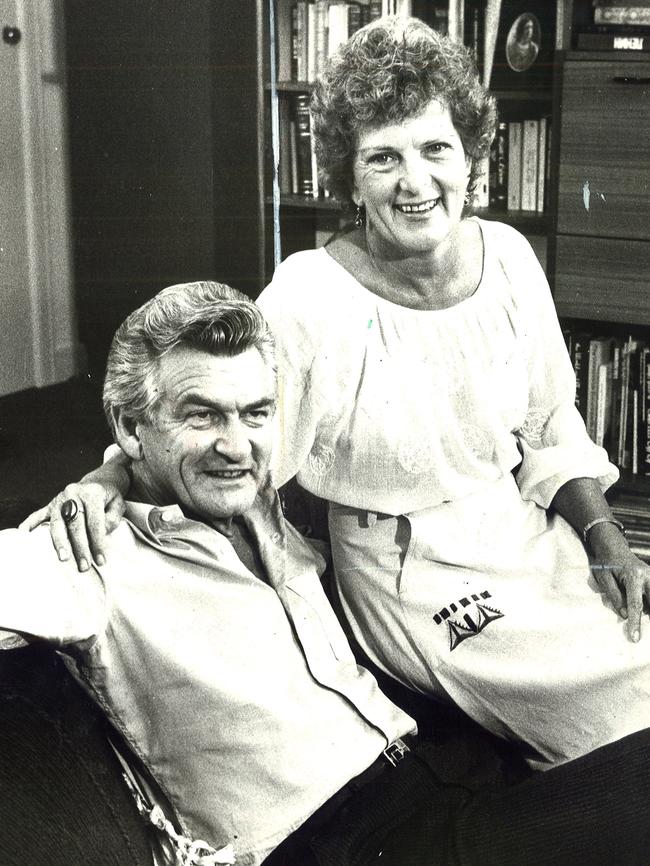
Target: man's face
[(208, 445)]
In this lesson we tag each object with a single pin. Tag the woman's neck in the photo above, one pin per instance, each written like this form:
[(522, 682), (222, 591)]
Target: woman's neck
[(436, 279)]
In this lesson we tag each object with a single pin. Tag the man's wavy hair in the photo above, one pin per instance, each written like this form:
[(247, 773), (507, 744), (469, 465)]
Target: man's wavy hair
[(388, 71), (204, 315)]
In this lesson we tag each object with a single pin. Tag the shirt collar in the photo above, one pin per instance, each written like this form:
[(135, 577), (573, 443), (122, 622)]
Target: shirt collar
[(155, 520)]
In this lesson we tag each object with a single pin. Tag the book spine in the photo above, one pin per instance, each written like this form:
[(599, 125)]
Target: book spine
[(499, 168), (474, 30), (320, 36), (635, 432), (375, 9), (615, 413), (612, 42), (514, 165), (482, 193), (592, 389), (293, 157), (355, 18), (548, 165), (601, 405), (301, 40), (311, 41), (541, 165), (579, 359), (303, 145), (529, 165), (623, 457), (646, 431)]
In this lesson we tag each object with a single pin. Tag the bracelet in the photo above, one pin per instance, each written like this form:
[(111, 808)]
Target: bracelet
[(598, 520)]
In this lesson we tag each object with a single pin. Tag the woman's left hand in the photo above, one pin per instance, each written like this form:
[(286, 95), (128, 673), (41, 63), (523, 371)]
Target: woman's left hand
[(621, 575)]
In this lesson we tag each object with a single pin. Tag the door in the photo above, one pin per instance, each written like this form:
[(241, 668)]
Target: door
[(36, 321)]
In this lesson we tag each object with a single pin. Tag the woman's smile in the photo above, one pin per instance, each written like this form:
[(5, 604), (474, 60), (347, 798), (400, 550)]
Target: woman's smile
[(423, 207)]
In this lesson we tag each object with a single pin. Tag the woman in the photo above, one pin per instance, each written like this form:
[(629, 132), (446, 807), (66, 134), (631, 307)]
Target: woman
[(427, 394)]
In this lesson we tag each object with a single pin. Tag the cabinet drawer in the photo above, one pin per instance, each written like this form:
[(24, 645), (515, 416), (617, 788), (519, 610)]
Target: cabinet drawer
[(598, 278), (604, 172)]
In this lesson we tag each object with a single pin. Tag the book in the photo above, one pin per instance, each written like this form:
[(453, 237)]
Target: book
[(579, 354), (303, 146), (321, 10), (646, 415), (542, 144), (498, 190), (600, 354), (436, 15), (311, 40), (338, 26), (474, 30), (613, 42), (622, 15), (482, 190), (295, 43), (515, 130), (529, 146), (525, 42), (300, 49)]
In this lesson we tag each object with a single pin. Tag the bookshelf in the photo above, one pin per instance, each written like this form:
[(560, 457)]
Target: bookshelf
[(600, 245), (306, 220), (598, 123)]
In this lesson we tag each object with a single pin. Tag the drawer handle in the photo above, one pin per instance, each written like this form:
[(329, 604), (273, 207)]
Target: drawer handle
[(631, 79)]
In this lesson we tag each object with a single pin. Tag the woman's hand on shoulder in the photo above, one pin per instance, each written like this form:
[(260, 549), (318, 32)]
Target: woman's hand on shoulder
[(93, 509), (621, 576)]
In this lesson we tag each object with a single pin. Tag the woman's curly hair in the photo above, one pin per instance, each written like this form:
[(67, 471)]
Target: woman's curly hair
[(386, 72)]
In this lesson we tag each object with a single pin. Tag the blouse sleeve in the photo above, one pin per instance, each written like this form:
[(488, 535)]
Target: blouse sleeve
[(43, 597), (553, 440), (298, 410)]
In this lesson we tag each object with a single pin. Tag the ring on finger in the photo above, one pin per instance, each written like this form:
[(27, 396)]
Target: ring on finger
[(69, 511)]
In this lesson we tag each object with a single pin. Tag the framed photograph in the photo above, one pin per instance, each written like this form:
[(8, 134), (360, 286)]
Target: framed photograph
[(523, 57)]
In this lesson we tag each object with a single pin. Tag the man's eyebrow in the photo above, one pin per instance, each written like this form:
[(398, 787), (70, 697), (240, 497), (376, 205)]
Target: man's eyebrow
[(262, 403), (196, 399)]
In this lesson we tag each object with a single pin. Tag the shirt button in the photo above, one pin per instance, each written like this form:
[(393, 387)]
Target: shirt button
[(166, 516), (275, 538)]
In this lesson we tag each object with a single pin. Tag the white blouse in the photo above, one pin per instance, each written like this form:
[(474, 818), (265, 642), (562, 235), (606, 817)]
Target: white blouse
[(391, 409)]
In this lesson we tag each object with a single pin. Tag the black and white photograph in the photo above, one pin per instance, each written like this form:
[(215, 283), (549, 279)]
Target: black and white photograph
[(324, 433)]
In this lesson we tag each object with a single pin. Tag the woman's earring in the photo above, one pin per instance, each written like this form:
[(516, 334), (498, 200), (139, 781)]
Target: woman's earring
[(358, 219)]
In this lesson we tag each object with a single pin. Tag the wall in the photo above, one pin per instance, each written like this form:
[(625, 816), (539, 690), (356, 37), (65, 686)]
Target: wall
[(141, 132)]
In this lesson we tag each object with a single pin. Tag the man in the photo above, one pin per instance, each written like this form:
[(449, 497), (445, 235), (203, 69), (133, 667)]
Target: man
[(207, 639), (206, 636)]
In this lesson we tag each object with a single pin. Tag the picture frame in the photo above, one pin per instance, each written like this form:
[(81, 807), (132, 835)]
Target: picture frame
[(523, 56)]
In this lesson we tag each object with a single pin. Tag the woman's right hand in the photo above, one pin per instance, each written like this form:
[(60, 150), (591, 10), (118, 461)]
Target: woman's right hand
[(99, 500)]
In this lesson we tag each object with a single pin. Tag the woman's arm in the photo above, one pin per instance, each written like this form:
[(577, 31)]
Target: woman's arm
[(99, 497), (621, 575)]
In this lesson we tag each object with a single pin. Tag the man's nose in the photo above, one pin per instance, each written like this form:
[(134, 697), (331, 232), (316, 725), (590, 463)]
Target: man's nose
[(232, 442)]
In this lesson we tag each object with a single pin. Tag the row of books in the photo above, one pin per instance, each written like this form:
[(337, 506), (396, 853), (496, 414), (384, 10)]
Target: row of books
[(319, 27), (519, 165), (514, 178), (618, 25), (613, 395), (633, 510)]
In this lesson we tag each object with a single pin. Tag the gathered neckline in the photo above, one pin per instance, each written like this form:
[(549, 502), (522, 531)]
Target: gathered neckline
[(463, 304)]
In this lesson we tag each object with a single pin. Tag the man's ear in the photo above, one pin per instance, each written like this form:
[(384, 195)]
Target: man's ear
[(127, 433)]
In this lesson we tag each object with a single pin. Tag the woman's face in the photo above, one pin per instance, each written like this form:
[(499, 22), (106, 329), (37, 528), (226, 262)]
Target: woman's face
[(412, 178)]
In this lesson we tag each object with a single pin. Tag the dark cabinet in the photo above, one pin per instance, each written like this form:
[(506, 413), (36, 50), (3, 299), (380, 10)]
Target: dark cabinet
[(602, 249), (604, 171)]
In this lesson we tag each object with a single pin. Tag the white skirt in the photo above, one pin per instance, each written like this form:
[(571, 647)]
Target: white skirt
[(490, 601)]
